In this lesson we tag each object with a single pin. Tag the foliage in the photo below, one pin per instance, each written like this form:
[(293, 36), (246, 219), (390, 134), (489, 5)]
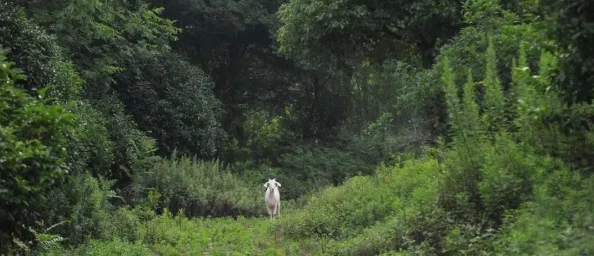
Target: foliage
[(167, 234), (570, 24), (103, 39), (36, 52), (46, 67), (231, 42), (43, 240), (339, 33), (216, 34), (505, 173), (105, 248), (101, 36), (395, 110), (173, 102), (487, 20), (128, 44), (343, 212), (32, 140), (130, 144), (82, 204), (512, 175), (199, 188), (90, 146), (557, 222)]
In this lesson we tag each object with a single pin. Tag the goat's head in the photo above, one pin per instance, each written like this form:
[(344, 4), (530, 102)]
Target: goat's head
[(272, 184)]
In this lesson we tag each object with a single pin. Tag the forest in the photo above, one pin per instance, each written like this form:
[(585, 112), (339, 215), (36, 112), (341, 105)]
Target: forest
[(401, 127)]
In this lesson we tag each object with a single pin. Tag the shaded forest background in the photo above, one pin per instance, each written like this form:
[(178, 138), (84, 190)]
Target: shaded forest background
[(443, 127)]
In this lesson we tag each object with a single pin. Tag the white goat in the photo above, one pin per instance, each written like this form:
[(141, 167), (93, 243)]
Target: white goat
[(272, 197)]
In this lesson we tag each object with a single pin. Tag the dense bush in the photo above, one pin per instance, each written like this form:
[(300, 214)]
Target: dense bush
[(130, 144), (90, 147), (32, 141), (199, 188), (37, 53), (82, 204), (173, 102), (46, 66), (343, 212), (557, 222)]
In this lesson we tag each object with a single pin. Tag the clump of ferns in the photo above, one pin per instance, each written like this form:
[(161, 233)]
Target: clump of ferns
[(43, 238)]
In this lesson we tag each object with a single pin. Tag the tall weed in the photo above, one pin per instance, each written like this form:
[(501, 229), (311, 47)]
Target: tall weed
[(200, 189)]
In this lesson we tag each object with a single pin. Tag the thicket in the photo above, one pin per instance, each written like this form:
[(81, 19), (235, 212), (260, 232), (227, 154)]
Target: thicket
[(33, 161), (198, 189)]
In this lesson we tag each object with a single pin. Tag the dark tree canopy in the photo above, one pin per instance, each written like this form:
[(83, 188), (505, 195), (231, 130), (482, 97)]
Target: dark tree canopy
[(173, 102), (571, 24), (348, 32)]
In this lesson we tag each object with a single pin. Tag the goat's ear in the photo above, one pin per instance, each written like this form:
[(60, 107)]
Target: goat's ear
[(266, 184), (277, 183)]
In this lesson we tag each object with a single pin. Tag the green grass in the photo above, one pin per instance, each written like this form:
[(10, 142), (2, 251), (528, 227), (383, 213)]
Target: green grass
[(177, 235), (354, 218), (396, 212)]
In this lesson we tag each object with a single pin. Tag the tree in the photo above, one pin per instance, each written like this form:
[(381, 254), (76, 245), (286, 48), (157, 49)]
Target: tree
[(233, 42), (100, 36), (46, 67), (570, 24), (173, 102), (105, 40), (340, 34)]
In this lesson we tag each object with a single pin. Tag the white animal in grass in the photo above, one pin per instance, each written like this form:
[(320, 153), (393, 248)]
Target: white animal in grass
[(272, 197)]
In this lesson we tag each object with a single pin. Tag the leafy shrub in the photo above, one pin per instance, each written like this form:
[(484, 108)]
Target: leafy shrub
[(200, 188), (90, 146), (173, 102), (332, 213), (32, 140), (82, 203), (46, 66), (130, 144), (37, 53), (558, 222), (343, 212)]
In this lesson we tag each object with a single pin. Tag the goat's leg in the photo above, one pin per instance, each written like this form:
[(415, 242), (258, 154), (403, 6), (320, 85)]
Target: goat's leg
[(278, 210), (270, 212)]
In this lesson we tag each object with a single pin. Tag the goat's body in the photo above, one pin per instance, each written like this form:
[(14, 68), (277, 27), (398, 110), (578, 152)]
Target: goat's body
[(272, 200)]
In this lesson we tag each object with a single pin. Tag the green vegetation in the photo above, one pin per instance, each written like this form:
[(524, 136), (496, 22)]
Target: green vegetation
[(404, 128)]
